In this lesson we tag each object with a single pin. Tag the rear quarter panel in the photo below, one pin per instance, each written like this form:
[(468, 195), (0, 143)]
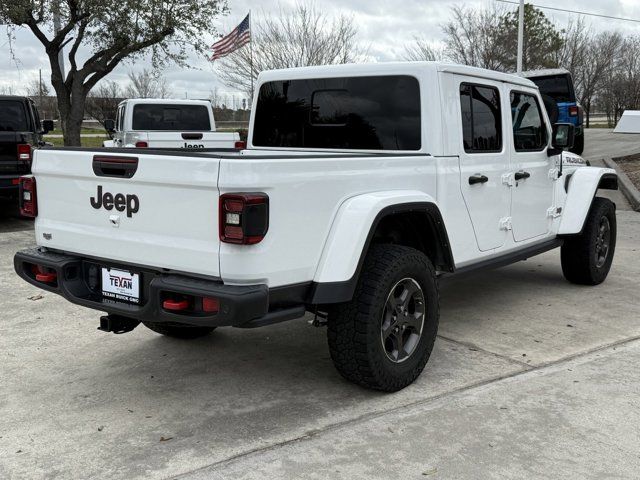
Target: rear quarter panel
[(305, 194)]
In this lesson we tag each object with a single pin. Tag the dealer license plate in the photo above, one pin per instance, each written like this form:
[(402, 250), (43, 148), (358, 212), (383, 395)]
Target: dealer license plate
[(120, 285)]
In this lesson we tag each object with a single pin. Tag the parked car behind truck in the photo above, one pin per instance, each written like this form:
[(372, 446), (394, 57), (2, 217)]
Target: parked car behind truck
[(20, 134), (163, 123), (361, 186), (559, 95)]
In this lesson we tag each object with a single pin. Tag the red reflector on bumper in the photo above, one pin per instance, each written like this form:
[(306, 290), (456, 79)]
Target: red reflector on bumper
[(210, 305), (175, 305)]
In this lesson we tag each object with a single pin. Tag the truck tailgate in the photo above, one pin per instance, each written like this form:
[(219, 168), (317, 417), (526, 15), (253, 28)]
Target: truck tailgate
[(191, 140), (9, 163), (166, 215)]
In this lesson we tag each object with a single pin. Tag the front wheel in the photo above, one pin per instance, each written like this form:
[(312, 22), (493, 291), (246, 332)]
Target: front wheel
[(586, 258), (383, 337)]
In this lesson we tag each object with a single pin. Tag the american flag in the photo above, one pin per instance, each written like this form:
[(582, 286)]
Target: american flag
[(240, 36)]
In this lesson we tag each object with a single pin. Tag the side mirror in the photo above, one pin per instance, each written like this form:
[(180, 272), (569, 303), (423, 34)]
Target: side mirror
[(563, 136), (47, 126), (110, 125)]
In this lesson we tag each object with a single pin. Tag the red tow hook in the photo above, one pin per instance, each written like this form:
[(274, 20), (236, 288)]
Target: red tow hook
[(175, 305), (45, 277)]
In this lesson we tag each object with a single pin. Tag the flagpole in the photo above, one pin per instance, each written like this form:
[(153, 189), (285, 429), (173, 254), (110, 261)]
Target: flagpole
[(251, 55)]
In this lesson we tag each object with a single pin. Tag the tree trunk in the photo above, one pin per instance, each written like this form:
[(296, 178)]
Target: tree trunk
[(588, 112), (73, 119)]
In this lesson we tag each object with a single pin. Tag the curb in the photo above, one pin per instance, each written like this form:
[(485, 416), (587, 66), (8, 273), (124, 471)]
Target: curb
[(626, 185)]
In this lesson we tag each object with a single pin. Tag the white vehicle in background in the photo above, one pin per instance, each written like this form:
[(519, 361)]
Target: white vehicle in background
[(162, 123)]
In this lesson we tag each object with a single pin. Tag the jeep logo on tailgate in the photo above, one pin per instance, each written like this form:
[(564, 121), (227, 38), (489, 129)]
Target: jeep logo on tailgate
[(120, 201)]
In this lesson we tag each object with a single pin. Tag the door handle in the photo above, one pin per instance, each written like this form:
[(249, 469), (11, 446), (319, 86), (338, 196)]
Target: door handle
[(478, 178), (521, 175)]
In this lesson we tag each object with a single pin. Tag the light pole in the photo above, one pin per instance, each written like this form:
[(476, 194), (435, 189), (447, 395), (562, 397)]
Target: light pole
[(520, 36)]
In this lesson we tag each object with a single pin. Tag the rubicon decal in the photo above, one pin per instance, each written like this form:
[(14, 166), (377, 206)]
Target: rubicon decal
[(119, 201)]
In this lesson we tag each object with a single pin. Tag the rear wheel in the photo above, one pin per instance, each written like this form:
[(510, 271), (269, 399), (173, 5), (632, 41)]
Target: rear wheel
[(383, 338), (586, 258), (178, 331)]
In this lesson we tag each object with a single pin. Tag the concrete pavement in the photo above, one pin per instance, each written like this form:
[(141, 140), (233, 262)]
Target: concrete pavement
[(531, 377), (575, 419), (267, 403)]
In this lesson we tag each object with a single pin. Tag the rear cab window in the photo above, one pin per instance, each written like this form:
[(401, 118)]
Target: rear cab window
[(171, 117), (13, 117), (351, 113), (558, 87)]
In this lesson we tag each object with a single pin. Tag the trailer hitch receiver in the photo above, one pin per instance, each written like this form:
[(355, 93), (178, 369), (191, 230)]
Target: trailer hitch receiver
[(117, 324)]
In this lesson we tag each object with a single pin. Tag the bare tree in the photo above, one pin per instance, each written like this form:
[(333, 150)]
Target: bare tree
[(298, 37), (472, 37), (37, 89), (620, 89), (574, 51), (147, 84), (422, 49), (598, 68), (214, 96), (6, 90), (102, 103)]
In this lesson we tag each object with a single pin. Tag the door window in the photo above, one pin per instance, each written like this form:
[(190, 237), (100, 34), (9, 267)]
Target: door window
[(481, 119), (529, 129)]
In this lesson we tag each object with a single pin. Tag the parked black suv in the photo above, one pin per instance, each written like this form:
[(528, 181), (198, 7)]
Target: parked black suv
[(20, 132)]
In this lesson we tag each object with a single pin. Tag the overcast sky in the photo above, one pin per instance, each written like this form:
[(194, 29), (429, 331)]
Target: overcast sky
[(385, 28)]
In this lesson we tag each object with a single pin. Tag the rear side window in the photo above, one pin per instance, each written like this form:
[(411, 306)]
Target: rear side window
[(13, 117), (529, 130), (481, 119), (557, 87), (364, 113), (171, 117), (120, 121)]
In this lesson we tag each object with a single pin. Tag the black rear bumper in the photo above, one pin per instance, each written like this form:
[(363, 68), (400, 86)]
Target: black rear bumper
[(77, 280), (9, 183)]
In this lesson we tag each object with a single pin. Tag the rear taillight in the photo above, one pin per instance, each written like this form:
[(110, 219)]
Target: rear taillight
[(28, 197), (141, 144), (573, 111), (240, 145), (24, 152), (244, 217)]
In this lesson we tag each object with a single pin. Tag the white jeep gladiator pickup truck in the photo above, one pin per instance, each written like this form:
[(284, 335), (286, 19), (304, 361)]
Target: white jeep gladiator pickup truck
[(361, 185), (162, 123)]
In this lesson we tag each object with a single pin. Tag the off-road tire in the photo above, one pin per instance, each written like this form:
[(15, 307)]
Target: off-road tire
[(354, 328), (578, 253), (184, 332)]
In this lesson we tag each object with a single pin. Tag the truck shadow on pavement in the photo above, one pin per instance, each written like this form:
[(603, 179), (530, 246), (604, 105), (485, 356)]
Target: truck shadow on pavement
[(10, 220)]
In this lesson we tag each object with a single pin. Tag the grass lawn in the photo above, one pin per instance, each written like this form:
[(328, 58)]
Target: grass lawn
[(86, 141), (84, 130)]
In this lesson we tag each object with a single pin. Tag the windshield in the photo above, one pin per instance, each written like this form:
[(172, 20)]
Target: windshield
[(367, 113), (171, 117), (12, 116), (558, 87)]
